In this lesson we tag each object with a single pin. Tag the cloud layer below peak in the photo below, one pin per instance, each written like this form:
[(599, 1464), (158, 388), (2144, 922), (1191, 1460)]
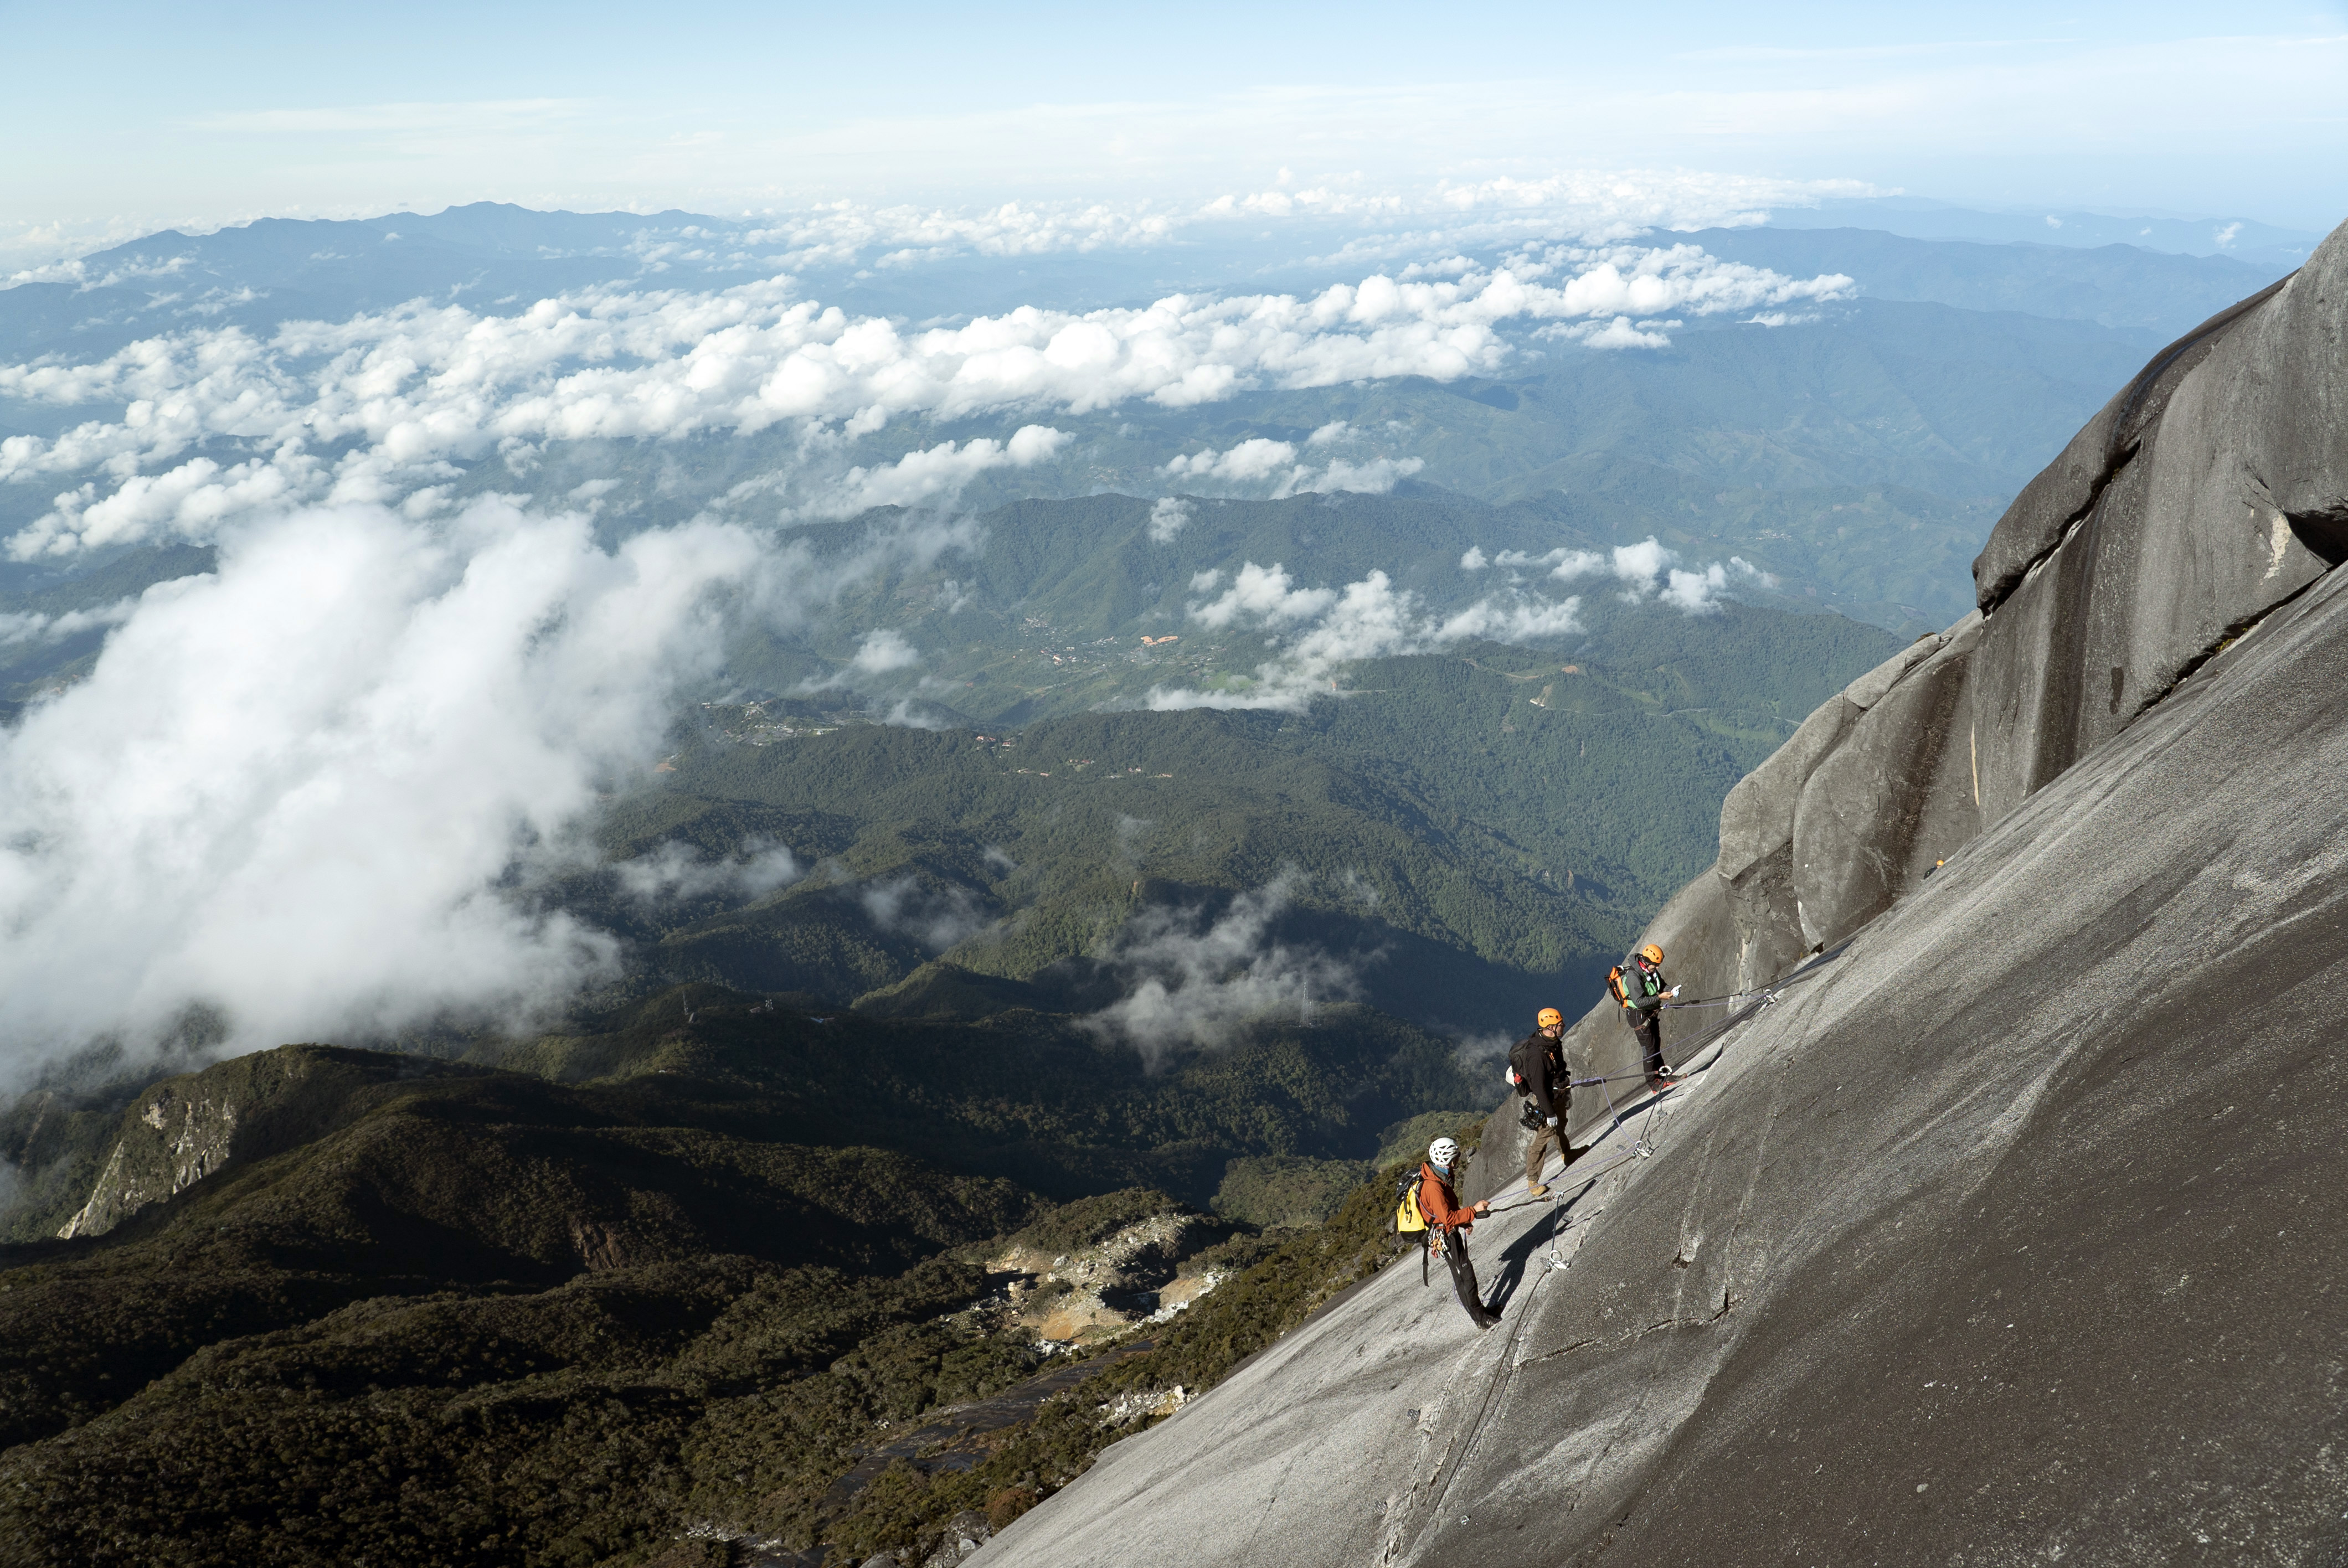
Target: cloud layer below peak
[(216, 424)]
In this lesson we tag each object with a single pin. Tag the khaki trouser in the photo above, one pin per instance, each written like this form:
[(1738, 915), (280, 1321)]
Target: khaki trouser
[(1537, 1152)]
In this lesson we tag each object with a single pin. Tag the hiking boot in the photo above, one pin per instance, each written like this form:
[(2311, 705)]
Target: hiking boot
[(1535, 1190)]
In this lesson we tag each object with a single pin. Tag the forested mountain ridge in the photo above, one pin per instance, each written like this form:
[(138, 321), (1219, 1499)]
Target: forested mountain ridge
[(1488, 804)]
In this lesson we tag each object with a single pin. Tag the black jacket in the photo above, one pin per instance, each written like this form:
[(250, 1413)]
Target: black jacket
[(1546, 1080)]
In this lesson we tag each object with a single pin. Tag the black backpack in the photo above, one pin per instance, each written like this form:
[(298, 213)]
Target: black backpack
[(1525, 1061)]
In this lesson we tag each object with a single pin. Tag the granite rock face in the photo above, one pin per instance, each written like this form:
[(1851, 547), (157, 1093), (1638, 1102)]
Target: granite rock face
[(2009, 1231), (2211, 489)]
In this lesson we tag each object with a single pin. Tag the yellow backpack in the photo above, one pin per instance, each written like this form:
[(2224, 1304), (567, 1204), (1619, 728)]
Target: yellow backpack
[(1408, 1221)]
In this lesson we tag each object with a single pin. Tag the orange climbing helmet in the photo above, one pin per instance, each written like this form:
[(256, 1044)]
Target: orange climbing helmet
[(1651, 953), (1546, 1017)]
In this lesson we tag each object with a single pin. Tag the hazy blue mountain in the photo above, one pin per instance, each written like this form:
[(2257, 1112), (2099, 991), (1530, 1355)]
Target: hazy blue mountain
[(2244, 238), (2130, 287), (275, 269)]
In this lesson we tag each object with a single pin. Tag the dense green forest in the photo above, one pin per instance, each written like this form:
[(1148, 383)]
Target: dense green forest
[(674, 1270), (1493, 823)]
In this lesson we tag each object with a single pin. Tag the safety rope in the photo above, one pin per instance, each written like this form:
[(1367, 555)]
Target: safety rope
[(1640, 1148)]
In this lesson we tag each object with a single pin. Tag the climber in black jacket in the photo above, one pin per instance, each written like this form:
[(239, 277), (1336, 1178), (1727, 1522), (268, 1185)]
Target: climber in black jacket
[(1537, 1063)]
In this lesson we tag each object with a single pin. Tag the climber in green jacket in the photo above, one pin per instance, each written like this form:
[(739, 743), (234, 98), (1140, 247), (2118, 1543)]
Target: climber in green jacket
[(1639, 985)]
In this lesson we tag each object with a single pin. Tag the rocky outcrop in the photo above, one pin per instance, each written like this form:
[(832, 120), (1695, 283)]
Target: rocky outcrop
[(2210, 490), (2005, 1234), (182, 1130), (1116, 1279), (189, 1138)]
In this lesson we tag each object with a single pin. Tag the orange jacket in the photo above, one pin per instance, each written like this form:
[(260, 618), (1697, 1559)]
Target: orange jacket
[(1436, 1202)]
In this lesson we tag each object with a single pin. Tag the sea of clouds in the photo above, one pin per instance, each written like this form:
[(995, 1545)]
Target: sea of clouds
[(209, 424), (314, 790)]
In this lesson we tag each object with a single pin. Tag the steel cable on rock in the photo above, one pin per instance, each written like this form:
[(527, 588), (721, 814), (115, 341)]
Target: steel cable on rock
[(1640, 1148)]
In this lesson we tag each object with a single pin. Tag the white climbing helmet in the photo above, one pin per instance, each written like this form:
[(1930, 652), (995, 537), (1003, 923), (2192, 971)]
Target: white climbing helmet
[(1442, 1152)]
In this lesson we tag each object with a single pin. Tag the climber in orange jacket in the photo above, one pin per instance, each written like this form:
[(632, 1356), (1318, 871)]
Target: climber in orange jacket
[(1447, 1225)]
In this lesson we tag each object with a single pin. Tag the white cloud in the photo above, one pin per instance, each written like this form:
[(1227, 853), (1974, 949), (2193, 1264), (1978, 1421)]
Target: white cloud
[(937, 916), (883, 651), (1512, 622), (305, 788), (1638, 566), (1375, 477), (906, 713), (33, 626), (319, 788), (935, 473), (1262, 595), (1166, 520), (1254, 459), (1619, 333), (1563, 564), (386, 402), (1200, 987), (1367, 620), (1270, 464), (1433, 221), (675, 870), (1698, 593)]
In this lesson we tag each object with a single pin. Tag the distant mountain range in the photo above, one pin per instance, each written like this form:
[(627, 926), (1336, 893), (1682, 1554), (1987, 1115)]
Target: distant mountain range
[(1858, 451)]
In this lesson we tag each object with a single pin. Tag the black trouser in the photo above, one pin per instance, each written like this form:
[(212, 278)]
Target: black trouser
[(1463, 1278), (1649, 1029)]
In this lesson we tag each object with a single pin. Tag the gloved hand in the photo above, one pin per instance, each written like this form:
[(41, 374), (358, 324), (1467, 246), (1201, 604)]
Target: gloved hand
[(1675, 991)]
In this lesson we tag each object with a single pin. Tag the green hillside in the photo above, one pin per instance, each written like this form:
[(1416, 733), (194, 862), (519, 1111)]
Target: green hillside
[(594, 1268), (1473, 830), (439, 1313)]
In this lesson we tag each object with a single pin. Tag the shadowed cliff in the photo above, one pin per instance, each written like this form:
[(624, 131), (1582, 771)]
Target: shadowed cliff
[(2004, 1234)]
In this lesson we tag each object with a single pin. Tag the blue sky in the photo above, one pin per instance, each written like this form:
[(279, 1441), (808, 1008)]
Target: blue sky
[(123, 117)]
